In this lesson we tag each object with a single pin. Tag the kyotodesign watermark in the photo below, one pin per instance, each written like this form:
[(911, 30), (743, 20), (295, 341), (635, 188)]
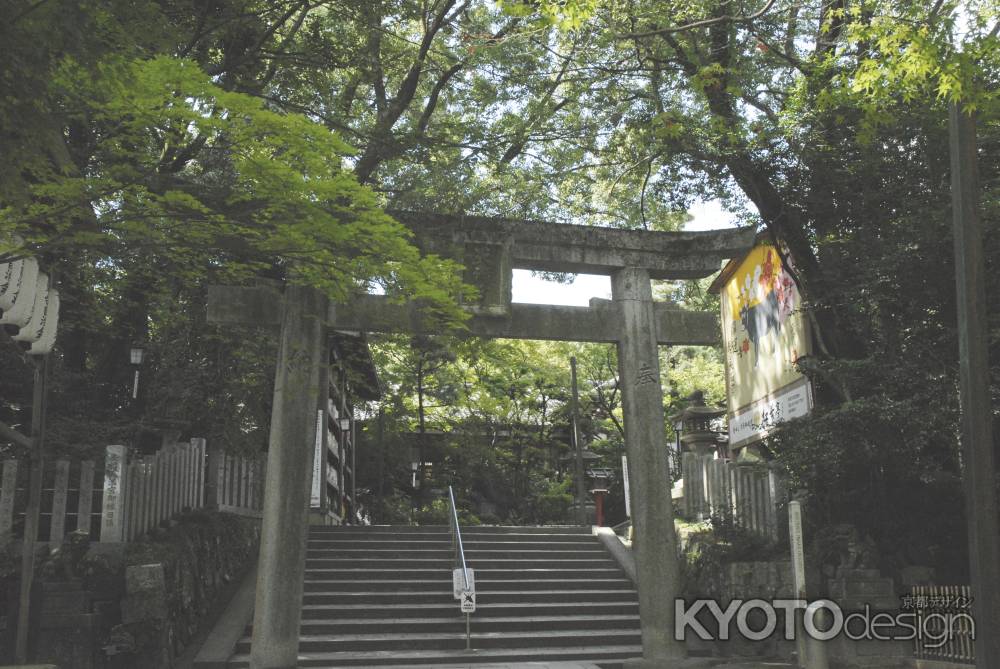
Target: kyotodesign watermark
[(822, 619)]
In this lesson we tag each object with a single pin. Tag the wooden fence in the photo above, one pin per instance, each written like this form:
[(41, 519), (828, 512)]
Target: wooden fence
[(240, 485), (70, 500), (944, 618), (122, 500), (750, 494)]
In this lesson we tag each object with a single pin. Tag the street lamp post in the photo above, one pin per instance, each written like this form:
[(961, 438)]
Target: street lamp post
[(136, 355)]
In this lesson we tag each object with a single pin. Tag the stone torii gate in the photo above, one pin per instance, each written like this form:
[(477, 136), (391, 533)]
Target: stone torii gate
[(489, 249)]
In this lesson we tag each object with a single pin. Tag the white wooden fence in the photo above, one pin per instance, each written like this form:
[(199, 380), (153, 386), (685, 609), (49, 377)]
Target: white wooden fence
[(945, 620), (241, 485), (750, 494), (135, 495)]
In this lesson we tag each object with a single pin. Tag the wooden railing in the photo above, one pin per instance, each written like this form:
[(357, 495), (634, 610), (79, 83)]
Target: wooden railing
[(124, 500), (944, 617)]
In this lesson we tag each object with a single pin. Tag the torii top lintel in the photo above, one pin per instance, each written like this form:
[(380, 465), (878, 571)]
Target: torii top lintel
[(491, 248), (584, 249)]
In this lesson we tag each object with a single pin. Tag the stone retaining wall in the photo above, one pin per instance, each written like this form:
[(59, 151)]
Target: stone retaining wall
[(172, 583)]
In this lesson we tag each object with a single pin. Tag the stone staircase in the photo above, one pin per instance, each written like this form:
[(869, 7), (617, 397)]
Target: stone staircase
[(382, 596)]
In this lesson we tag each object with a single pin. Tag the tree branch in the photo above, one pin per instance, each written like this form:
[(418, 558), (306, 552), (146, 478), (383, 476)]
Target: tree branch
[(699, 24)]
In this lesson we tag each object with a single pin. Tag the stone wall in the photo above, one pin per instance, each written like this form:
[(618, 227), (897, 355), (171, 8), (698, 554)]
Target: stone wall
[(174, 580)]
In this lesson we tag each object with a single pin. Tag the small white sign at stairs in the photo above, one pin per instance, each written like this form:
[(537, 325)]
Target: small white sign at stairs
[(469, 601), (458, 582)]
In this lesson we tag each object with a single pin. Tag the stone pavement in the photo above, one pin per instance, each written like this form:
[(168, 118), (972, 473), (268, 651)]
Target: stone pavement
[(708, 663)]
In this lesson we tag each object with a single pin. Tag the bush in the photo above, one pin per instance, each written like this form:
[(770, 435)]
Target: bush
[(438, 512)]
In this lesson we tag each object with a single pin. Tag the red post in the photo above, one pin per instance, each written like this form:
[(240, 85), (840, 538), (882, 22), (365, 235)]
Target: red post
[(599, 507)]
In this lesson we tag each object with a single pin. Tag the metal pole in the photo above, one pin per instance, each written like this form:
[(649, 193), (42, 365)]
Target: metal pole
[(324, 434), (979, 468), (581, 490), (354, 467), (381, 465), (34, 507)]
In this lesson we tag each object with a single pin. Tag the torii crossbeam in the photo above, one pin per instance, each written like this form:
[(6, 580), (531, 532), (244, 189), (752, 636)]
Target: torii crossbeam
[(489, 249)]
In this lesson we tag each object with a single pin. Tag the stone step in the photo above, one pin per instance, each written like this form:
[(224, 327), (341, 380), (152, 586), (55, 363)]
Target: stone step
[(479, 624), (466, 530), (456, 640), (492, 596), (446, 565), (471, 554), (461, 657), (382, 596), (482, 584), (438, 535), (355, 573), (444, 609), (569, 542)]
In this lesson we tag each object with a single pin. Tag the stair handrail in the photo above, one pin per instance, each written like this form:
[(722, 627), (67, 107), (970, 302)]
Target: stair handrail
[(456, 541), (456, 538)]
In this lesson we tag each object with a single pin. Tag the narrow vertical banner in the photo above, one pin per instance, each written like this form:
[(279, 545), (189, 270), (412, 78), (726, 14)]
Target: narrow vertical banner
[(113, 508), (581, 484), (798, 551), (628, 497), (7, 488), (199, 449), (315, 498), (798, 571), (85, 500), (60, 490)]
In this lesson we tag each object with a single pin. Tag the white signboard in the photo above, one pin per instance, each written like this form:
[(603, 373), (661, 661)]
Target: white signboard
[(113, 509), (458, 582), (469, 602), (758, 419), (628, 501), (314, 499)]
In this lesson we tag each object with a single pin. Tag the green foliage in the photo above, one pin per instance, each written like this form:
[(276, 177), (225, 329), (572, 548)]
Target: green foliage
[(498, 416), (710, 550), (148, 157), (438, 512)]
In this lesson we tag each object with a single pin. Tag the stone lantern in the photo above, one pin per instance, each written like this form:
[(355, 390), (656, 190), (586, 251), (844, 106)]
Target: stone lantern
[(698, 442), (697, 431), (589, 457)]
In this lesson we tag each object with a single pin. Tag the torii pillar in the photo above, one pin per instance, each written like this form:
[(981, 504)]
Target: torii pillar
[(655, 543), (300, 313)]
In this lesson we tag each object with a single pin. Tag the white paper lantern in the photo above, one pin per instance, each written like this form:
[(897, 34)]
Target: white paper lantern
[(10, 278), (22, 303), (32, 330), (10, 275), (48, 336)]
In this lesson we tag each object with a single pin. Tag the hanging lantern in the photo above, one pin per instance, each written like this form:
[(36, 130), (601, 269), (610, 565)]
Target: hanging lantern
[(22, 301), (10, 278), (47, 339), (32, 330)]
